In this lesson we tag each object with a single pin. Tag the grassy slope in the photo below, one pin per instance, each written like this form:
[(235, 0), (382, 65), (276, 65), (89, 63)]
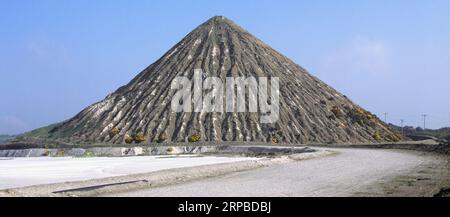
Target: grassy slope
[(42, 132)]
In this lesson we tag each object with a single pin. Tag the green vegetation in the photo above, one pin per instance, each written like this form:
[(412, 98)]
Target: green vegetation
[(377, 136), (362, 117), (194, 137), (114, 131), (43, 132), (128, 139), (393, 138), (88, 154), (139, 137), (337, 112), (275, 140)]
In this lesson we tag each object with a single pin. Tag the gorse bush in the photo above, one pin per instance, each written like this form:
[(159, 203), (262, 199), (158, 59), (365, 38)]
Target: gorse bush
[(114, 131), (194, 137), (362, 117), (337, 112), (275, 140), (139, 137), (128, 139), (377, 136), (393, 138), (88, 154)]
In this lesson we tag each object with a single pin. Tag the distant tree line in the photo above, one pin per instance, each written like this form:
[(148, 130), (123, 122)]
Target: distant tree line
[(6, 138)]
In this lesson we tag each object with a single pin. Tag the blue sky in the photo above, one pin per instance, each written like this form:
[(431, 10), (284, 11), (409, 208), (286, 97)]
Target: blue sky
[(57, 57)]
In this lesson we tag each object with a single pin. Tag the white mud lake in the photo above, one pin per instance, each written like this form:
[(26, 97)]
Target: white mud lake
[(360, 172), (20, 172)]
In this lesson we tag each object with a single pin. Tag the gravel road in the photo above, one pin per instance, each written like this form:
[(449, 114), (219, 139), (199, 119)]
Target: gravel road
[(350, 172)]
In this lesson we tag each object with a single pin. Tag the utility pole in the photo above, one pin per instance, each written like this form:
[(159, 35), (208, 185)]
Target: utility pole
[(385, 117), (424, 121)]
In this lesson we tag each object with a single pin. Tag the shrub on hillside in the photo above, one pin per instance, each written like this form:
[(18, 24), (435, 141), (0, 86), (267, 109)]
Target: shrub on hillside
[(194, 137), (114, 131), (361, 116), (337, 112), (393, 138), (377, 136), (275, 140), (139, 137), (128, 139)]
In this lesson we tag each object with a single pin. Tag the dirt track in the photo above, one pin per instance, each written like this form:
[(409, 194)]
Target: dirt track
[(353, 172)]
